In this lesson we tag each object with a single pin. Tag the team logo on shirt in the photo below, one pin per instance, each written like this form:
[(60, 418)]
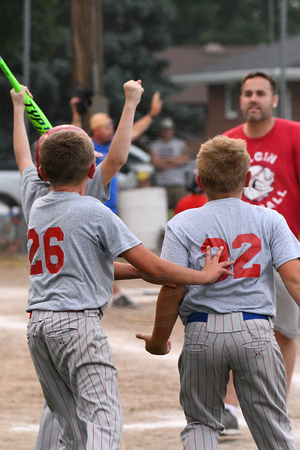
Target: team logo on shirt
[(260, 185)]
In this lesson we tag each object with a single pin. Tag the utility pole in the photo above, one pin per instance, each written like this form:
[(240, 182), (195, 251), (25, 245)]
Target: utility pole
[(271, 21), (26, 48), (283, 33), (86, 17), (82, 42), (99, 100)]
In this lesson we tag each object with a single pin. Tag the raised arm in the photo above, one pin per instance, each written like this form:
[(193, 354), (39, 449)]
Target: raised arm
[(167, 307), (142, 125), (290, 274), (20, 138), (119, 148)]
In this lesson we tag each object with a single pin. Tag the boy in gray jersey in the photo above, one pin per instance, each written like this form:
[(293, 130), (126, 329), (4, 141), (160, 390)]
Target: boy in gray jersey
[(33, 187), (228, 324), (72, 242)]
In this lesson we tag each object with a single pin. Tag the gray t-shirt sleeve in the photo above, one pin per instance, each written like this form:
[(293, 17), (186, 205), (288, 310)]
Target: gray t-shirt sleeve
[(173, 249), (114, 234), (32, 187), (283, 238), (95, 187)]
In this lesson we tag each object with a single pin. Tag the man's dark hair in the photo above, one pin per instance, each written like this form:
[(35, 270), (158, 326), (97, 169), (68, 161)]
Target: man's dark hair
[(262, 75)]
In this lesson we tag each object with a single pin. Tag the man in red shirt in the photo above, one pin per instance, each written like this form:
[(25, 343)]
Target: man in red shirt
[(274, 148)]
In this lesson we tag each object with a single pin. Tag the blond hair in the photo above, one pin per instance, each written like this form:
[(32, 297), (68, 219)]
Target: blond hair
[(222, 165), (66, 157)]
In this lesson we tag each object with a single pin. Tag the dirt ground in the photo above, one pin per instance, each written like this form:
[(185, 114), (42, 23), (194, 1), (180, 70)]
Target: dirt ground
[(149, 385)]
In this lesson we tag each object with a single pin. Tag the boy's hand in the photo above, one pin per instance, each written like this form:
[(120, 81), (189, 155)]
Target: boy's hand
[(154, 347), (213, 268), (133, 91), (18, 98)]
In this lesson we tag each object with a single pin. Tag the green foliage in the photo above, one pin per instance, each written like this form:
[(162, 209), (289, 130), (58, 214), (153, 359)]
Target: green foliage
[(230, 22), (134, 30), (51, 64)]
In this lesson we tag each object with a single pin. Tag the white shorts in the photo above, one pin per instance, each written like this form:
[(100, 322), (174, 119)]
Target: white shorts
[(287, 320)]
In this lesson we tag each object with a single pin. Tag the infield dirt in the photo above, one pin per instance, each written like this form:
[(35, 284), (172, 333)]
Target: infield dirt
[(149, 385)]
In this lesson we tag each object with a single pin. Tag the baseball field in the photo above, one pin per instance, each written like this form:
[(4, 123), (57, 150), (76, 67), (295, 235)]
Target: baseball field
[(149, 385)]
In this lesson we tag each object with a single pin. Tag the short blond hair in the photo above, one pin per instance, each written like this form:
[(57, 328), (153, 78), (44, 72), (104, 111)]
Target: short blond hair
[(66, 157), (222, 165)]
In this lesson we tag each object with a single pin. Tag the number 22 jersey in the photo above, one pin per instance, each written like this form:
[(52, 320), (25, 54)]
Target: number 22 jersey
[(255, 238)]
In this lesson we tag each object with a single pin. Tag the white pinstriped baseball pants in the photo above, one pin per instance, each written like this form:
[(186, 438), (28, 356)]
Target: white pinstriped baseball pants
[(74, 365), (49, 431), (249, 349)]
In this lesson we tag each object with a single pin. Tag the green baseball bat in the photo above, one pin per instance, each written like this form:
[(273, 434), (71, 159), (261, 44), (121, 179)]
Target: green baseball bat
[(35, 114)]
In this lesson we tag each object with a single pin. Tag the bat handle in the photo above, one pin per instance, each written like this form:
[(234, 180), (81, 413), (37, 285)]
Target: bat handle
[(13, 81), (35, 114)]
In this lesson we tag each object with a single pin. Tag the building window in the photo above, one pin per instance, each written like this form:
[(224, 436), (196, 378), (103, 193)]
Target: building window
[(232, 94)]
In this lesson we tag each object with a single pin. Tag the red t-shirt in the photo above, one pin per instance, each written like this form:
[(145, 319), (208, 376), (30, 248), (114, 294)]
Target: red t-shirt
[(190, 201), (275, 167)]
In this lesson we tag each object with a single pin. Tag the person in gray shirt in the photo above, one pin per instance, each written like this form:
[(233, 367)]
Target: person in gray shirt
[(169, 158)]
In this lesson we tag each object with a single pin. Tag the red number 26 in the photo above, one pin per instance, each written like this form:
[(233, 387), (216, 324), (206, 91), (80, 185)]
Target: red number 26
[(50, 250)]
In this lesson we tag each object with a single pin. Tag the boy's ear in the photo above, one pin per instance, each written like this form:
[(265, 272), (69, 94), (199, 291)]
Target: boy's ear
[(42, 173), (199, 182), (91, 171), (248, 178)]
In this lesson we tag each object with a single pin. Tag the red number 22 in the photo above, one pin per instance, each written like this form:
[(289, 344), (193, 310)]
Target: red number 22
[(244, 258)]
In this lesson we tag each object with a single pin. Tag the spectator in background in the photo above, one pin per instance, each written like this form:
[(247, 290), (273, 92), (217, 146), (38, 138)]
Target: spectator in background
[(102, 132), (13, 237), (169, 158), (194, 199)]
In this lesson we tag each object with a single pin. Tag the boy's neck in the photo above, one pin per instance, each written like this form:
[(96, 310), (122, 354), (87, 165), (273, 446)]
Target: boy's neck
[(211, 198), (78, 189)]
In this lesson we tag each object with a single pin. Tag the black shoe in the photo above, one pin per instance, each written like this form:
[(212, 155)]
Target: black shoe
[(123, 302), (231, 426)]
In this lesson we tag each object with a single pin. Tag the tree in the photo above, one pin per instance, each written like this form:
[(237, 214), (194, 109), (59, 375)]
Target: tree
[(229, 22), (51, 65), (133, 32)]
